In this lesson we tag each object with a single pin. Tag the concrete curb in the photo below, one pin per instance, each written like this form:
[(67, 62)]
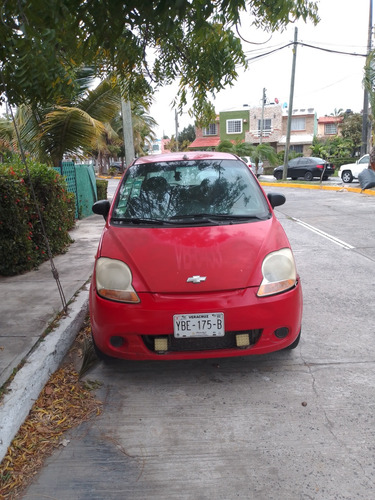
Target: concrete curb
[(44, 360)]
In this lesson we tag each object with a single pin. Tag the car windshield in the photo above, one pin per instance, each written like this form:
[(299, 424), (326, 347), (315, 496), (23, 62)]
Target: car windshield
[(190, 191)]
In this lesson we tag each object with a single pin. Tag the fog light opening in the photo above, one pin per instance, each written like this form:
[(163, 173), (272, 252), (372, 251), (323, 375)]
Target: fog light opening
[(243, 340), (161, 344), (117, 341), (281, 333)]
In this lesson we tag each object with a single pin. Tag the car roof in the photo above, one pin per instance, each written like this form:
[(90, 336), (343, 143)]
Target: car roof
[(188, 155)]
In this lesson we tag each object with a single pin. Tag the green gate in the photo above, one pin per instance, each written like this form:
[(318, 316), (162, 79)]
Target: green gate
[(81, 181)]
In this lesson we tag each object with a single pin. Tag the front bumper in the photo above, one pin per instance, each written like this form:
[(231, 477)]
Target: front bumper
[(128, 331)]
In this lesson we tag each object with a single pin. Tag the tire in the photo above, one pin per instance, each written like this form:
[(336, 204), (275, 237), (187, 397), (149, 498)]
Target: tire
[(308, 176), (346, 176), (325, 178), (294, 178), (294, 344), (278, 176)]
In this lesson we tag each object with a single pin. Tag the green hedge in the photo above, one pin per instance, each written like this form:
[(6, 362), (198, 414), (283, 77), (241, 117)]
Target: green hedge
[(22, 243), (101, 188)]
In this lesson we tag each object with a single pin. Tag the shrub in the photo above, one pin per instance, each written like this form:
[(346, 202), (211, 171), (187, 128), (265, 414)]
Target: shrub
[(23, 246), (101, 188)]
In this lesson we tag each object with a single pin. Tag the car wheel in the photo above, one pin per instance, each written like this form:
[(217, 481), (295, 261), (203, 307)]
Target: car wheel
[(294, 344), (346, 176), (278, 175), (308, 176), (325, 177), (294, 178)]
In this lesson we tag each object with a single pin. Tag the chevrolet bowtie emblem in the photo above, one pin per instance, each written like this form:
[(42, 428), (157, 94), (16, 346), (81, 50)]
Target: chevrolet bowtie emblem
[(196, 279)]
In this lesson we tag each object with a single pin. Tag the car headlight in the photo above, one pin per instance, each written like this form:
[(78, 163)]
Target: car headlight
[(114, 280), (279, 273)]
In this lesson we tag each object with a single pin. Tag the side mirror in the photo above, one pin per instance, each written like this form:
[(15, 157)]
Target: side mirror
[(276, 199), (101, 207)]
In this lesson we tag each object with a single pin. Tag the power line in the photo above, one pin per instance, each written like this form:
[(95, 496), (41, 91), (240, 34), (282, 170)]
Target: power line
[(331, 50), (305, 45)]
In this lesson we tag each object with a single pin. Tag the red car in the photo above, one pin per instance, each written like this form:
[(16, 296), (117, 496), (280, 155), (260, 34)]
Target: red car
[(193, 263)]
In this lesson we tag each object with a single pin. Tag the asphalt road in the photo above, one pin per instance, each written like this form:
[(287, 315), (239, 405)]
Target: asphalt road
[(292, 425)]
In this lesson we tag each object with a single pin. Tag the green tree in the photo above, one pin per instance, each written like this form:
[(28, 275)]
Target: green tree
[(186, 137), (192, 41), (369, 78), (172, 145), (258, 153), (337, 147), (75, 127), (337, 112), (143, 124), (111, 143), (225, 146), (351, 129)]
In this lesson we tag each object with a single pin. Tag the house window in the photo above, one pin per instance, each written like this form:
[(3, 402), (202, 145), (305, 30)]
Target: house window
[(298, 124), (267, 125), (234, 126), (211, 129), (297, 148), (330, 129)]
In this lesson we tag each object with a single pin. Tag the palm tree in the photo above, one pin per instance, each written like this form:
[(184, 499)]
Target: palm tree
[(90, 121), (143, 134), (337, 112), (369, 78), (257, 153), (72, 127)]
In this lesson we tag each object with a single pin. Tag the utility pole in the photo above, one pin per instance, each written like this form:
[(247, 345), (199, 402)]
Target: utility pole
[(127, 129), (365, 121), (262, 120), (290, 108)]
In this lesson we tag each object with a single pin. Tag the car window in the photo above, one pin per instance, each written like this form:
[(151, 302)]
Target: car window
[(294, 162), (364, 159), (164, 190)]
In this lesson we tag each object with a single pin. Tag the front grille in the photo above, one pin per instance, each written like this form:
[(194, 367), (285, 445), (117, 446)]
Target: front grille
[(204, 343)]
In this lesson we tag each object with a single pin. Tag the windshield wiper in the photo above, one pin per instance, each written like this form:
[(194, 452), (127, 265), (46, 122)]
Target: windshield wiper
[(212, 218), (139, 220)]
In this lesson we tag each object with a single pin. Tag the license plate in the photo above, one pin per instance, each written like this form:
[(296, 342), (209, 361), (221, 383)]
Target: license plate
[(198, 325)]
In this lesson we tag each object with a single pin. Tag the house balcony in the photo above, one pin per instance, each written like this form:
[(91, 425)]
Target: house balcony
[(265, 133)]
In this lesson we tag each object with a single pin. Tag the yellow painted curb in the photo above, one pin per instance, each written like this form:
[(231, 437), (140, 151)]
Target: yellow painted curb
[(324, 188), (108, 177)]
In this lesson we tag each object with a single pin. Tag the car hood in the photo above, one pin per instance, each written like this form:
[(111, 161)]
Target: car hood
[(163, 259)]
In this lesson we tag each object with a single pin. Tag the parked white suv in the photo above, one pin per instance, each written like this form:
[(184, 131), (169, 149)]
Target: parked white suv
[(352, 170)]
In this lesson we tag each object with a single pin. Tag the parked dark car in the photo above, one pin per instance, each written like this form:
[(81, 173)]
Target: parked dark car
[(307, 168), (117, 165)]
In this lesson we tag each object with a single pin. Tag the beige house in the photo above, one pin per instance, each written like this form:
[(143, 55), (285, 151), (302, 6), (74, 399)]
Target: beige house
[(329, 126), (302, 130), (271, 129)]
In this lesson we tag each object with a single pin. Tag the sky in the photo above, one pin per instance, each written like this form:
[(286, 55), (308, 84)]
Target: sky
[(324, 80)]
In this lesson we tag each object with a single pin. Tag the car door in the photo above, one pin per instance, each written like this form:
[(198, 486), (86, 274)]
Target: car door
[(293, 166)]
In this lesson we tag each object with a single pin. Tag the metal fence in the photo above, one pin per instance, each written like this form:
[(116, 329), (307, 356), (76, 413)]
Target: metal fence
[(81, 181)]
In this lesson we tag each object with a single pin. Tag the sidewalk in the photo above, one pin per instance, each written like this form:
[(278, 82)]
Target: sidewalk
[(28, 303)]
